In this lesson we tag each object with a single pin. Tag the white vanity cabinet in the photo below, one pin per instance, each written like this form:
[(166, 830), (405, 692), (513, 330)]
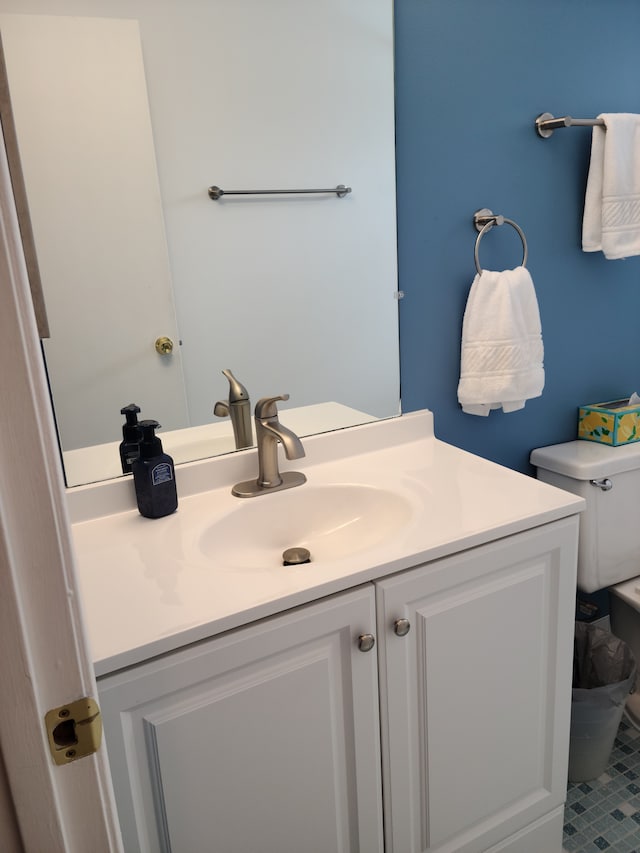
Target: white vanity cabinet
[(267, 738), (475, 698), (263, 739)]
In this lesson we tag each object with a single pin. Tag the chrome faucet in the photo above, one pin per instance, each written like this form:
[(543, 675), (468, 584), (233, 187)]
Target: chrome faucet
[(269, 433), (238, 409)]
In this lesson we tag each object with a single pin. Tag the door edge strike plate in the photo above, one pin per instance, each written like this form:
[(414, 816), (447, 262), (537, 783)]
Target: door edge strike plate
[(74, 730)]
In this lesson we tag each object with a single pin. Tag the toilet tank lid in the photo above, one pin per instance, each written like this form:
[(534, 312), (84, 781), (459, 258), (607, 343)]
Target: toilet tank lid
[(586, 460)]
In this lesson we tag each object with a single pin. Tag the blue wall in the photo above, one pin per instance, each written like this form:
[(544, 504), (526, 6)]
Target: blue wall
[(471, 77)]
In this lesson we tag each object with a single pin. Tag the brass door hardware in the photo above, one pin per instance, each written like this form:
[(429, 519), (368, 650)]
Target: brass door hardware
[(164, 345), (74, 730)]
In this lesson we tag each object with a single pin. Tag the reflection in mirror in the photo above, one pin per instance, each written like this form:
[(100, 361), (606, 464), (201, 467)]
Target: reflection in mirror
[(125, 116)]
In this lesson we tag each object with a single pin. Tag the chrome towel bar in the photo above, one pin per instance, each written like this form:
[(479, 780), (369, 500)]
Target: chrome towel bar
[(215, 193), (546, 123), (484, 220)]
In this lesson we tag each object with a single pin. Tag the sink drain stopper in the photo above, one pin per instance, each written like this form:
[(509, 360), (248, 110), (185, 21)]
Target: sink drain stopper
[(295, 557)]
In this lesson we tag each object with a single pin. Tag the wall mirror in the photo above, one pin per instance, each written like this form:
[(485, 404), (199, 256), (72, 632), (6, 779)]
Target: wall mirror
[(126, 112)]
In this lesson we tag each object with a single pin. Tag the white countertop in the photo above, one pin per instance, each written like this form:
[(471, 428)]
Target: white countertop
[(148, 588)]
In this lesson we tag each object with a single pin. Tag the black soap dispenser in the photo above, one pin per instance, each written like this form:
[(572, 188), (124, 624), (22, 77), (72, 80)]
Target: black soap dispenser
[(154, 475), (131, 436)]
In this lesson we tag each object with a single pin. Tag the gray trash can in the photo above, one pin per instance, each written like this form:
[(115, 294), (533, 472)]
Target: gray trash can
[(604, 673)]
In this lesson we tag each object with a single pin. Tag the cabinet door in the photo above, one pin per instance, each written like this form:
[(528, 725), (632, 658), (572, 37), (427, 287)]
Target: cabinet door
[(264, 739), (476, 697)]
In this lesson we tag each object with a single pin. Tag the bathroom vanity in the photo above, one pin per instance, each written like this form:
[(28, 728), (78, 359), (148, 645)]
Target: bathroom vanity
[(408, 690)]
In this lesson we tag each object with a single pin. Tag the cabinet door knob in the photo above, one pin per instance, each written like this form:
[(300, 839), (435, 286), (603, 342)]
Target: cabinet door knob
[(366, 642), (401, 627)]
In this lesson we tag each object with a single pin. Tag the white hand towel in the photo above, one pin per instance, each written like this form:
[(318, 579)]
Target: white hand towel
[(502, 351), (611, 221)]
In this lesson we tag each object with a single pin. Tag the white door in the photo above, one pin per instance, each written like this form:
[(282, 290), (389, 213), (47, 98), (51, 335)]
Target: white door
[(476, 697), (82, 119), (264, 739), (45, 659)]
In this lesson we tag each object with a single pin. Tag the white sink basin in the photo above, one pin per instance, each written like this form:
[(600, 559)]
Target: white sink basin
[(332, 521), (378, 499)]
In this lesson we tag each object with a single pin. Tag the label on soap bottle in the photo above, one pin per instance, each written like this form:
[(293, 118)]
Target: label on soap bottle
[(161, 473)]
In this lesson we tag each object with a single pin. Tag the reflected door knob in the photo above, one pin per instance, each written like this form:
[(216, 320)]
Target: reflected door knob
[(164, 346), (366, 642)]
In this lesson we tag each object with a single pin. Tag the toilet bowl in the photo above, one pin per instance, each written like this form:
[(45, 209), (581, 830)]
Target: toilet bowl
[(608, 478)]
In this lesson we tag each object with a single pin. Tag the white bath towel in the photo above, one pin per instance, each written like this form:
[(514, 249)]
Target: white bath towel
[(611, 221), (502, 351)]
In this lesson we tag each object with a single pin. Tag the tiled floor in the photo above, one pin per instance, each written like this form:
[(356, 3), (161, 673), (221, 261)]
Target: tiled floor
[(605, 814)]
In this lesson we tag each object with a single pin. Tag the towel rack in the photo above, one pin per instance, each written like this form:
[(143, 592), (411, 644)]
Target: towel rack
[(484, 220), (215, 193), (546, 123)]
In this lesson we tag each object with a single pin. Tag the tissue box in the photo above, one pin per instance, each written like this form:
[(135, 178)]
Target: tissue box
[(611, 423)]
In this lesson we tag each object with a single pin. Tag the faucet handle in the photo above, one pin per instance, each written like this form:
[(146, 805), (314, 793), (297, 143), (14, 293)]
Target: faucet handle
[(237, 391), (266, 406)]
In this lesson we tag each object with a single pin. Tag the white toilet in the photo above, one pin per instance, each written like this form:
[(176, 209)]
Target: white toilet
[(608, 478)]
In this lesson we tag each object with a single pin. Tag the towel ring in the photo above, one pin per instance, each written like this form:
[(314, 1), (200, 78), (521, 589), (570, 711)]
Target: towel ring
[(484, 220)]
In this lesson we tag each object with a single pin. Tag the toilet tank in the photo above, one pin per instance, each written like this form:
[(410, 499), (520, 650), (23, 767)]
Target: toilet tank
[(608, 478)]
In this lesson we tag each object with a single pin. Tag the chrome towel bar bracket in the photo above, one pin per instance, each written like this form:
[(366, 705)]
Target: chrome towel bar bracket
[(546, 123), (484, 220), (215, 193)]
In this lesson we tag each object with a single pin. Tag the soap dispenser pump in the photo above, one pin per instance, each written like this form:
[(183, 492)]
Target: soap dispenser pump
[(131, 435), (154, 475)]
